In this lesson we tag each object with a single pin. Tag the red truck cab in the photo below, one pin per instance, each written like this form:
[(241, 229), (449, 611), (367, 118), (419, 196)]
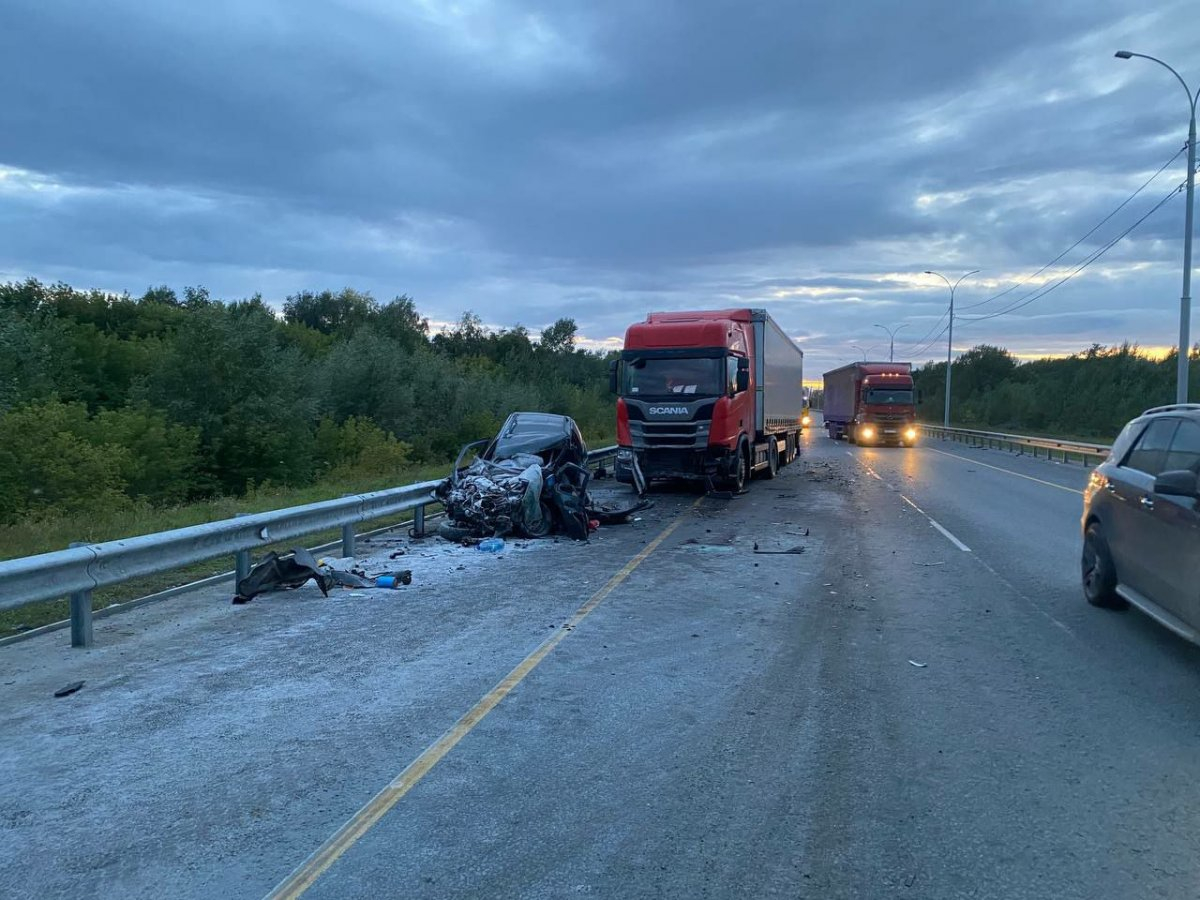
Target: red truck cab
[(699, 395)]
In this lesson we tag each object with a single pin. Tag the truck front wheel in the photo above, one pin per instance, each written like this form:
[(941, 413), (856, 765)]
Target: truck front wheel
[(738, 475)]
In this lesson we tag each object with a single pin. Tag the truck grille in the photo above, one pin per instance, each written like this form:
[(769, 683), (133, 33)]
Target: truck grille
[(667, 434)]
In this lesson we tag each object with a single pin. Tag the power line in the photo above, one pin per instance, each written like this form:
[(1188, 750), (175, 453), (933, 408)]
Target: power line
[(924, 338), (937, 337), (1037, 295), (1094, 229)]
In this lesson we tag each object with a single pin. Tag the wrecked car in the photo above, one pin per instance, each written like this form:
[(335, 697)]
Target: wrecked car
[(530, 480)]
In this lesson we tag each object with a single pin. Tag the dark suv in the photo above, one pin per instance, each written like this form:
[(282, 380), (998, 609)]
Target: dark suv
[(1141, 520)]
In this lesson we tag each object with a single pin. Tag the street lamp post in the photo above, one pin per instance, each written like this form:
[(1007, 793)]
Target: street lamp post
[(860, 350), (950, 339), (892, 339), (1185, 301)]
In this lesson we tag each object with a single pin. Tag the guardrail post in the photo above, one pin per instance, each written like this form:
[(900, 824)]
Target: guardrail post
[(81, 614), (418, 529), (241, 561), (348, 535)]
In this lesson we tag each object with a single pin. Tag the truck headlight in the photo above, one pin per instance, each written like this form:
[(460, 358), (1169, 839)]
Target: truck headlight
[(624, 456), (867, 431), (910, 434), (806, 420)]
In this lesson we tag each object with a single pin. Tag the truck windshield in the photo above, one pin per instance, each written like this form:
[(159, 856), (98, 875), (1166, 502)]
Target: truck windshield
[(650, 377), (896, 396)]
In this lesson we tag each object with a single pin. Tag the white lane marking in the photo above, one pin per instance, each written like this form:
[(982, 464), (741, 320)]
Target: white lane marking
[(1037, 607), (932, 521), (975, 462), (872, 472), (938, 525)]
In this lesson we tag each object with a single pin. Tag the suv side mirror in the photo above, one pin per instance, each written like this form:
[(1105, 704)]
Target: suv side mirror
[(1178, 483), (612, 376)]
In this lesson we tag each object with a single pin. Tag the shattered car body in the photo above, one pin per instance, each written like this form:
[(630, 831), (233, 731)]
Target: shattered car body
[(530, 480)]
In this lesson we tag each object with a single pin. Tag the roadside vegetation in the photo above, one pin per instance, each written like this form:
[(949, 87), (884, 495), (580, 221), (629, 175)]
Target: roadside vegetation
[(123, 415), (1087, 396)]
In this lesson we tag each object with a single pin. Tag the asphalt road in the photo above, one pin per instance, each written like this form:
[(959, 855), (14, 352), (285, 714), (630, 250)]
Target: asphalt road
[(696, 719)]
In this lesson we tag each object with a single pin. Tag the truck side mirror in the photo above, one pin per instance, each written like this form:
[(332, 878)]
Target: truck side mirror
[(919, 395), (742, 382), (612, 376)]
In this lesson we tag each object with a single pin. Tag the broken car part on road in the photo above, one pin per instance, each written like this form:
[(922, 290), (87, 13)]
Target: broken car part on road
[(280, 573)]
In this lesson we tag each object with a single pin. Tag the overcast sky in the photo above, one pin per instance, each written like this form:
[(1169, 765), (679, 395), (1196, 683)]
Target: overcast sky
[(530, 160)]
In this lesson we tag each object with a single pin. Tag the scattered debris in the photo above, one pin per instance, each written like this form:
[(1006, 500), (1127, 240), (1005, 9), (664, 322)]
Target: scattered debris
[(930, 565), (348, 579), (492, 545), (277, 573), (394, 580), (796, 550), (69, 689), (917, 664)]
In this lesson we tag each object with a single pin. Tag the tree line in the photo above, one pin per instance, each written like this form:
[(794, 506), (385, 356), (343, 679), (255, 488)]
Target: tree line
[(163, 399), (1091, 394)]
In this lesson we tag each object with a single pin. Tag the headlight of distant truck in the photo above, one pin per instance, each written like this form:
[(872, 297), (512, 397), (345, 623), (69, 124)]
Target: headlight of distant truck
[(910, 434), (624, 456), (806, 419), (867, 432)]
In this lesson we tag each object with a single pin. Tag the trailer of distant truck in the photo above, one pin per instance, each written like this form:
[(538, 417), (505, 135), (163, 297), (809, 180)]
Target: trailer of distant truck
[(713, 396), (871, 403)]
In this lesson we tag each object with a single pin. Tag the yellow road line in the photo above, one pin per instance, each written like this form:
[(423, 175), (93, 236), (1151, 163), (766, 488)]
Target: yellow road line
[(976, 462), (362, 821)]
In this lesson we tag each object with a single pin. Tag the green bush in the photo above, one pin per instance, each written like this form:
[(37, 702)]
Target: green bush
[(49, 461)]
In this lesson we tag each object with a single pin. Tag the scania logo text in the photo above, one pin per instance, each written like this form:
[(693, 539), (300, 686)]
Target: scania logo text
[(668, 410)]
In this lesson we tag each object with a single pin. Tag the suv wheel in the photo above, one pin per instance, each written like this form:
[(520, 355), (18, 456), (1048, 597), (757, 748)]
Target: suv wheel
[(1099, 574)]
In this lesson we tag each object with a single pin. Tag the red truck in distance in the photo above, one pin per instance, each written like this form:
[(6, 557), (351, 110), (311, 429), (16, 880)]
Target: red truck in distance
[(714, 395), (871, 403)]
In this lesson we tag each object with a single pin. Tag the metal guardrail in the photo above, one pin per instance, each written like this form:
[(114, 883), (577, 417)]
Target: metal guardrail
[(1066, 450), (82, 568)]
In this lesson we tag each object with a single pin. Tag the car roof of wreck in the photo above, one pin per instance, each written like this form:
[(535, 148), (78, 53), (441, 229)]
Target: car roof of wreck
[(529, 432)]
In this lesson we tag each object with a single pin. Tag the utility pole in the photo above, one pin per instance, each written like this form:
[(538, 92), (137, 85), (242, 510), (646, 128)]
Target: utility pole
[(1185, 301), (892, 339), (950, 339)]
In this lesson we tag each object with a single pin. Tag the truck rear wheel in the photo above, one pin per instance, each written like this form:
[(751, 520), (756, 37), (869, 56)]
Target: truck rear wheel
[(772, 459)]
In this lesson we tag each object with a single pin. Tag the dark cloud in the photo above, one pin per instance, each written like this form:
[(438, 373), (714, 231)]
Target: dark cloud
[(529, 160)]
